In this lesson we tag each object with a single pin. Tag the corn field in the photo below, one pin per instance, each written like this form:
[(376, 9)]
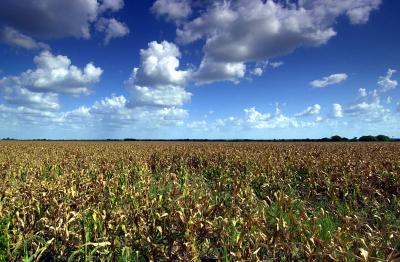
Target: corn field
[(192, 201)]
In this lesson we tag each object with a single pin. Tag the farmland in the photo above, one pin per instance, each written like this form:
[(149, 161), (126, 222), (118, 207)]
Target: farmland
[(140, 201)]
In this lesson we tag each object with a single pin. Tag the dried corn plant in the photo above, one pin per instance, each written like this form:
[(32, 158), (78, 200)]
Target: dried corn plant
[(75, 201)]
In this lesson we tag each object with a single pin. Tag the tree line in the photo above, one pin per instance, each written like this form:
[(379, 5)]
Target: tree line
[(335, 138)]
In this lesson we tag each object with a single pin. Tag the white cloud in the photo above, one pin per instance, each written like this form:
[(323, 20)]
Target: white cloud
[(172, 9), (112, 28), (388, 100), (258, 120), (161, 96), (55, 74), (211, 71), (258, 71), (260, 68), (367, 110), (26, 117), (110, 113), (216, 18), (81, 113), (46, 19), (276, 64), (367, 107), (115, 112), (229, 123), (362, 92), (337, 111), (159, 63), (255, 118), (356, 10), (12, 37), (198, 125), (158, 82), (23, 97), (107, 104), (309, 111), (113, 5), (386, 83), (360, 14), (329, 80), (253, 30)]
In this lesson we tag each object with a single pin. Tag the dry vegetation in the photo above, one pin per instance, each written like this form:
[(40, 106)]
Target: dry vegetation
[(185, 201)]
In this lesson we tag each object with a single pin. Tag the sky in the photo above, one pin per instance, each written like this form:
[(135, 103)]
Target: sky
[(223, 69)]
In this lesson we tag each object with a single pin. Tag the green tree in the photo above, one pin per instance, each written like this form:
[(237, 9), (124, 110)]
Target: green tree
[(367, 138), (382, 138)]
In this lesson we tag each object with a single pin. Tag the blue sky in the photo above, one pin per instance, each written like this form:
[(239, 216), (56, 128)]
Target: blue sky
[(199, 69)]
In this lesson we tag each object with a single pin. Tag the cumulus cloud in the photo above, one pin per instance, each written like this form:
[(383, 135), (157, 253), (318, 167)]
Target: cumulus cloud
[(112, 5), (367, 110), (386, 83), (329, 80), (362, 92), (360, 14), (258, 71), (111, 111), (39, 19), (337, 111), (252, 120), (12, 37), (367, 107), (211, 71), (174, 10), (115, 112), (198, 125), (20, 96), (108, 114), (253, 30), (276, 64), (158, 82), (55, 74), (56, 19), (228, 123), (112, 29), (23, 116), (255, 118), (246, 30), (260, 68), (309, 111), (161, 96), (357, 11), (157, 89)]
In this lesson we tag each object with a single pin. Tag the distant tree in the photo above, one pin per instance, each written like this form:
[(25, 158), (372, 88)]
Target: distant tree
[(354, 139), (8, 138), (325, 139), (367, 138), (336, 138), (382, 138)]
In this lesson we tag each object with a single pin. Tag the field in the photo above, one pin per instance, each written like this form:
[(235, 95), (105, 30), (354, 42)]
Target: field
[(157, 201)]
